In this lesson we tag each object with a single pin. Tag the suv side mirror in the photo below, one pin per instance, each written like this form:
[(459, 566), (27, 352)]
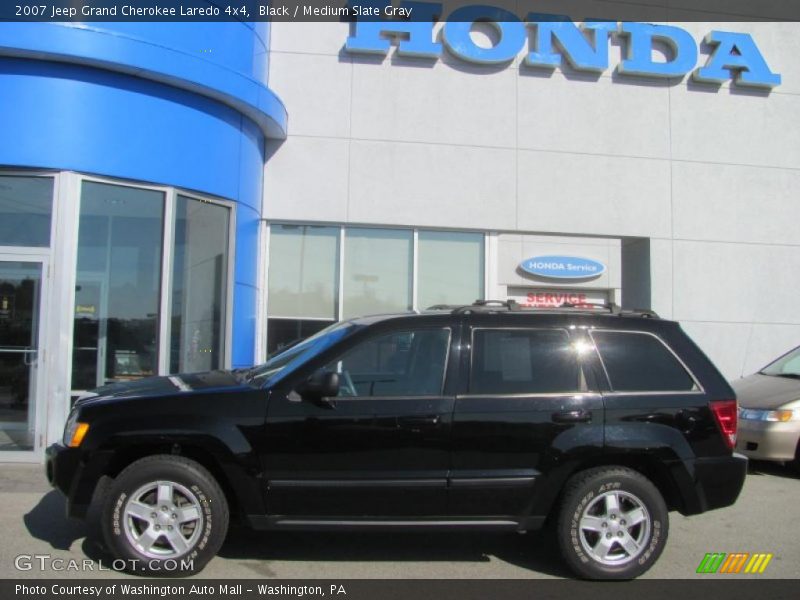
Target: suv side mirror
[(322, 384)]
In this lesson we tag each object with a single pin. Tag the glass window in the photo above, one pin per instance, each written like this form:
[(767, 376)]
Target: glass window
[(303, 273), (199, 285), (449, 268), (285, 333), (787, 365), (405, 363), (20, 296), (118, 283), (26, 204), (377, 271), (639, 362), (535, 361), (285, 361)]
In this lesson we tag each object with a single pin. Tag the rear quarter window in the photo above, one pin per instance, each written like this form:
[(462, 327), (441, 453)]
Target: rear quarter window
[(640, 362)]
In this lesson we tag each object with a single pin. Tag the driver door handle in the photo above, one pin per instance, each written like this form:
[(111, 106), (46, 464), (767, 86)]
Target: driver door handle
[(572, 416)]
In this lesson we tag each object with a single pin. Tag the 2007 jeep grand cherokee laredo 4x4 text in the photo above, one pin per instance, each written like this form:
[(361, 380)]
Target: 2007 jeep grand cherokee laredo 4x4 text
[(483, 416)]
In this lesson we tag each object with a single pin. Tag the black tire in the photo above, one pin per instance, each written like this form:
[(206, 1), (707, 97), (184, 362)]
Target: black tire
[(196, 512), (587, 496), (794, 465)]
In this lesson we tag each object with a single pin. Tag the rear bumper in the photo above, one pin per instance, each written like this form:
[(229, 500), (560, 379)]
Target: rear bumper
[(764, 440), (716, 483)]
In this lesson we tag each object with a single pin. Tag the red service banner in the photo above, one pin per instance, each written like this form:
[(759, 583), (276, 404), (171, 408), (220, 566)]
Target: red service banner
[(553, 298), (550, 299)]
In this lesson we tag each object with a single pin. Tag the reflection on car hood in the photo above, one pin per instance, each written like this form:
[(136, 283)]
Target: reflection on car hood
[(164, 386), (766, 391)]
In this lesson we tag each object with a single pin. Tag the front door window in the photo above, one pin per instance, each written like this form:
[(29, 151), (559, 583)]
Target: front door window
[(20, 298), (399, 364)]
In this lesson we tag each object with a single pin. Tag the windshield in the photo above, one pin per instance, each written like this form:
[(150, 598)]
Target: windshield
[(787, 365), (300, 353)]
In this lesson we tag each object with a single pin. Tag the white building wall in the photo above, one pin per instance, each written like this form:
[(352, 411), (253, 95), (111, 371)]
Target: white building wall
[(709, 174)]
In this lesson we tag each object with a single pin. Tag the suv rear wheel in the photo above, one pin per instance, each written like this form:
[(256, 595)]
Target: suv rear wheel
[(613, 523), (165, 515)]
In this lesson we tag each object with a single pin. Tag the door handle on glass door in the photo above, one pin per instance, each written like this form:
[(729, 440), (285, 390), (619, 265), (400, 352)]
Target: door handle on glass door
[(30, 356)]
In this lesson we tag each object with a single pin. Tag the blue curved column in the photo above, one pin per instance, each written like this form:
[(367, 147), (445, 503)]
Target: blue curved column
[(182, 104)]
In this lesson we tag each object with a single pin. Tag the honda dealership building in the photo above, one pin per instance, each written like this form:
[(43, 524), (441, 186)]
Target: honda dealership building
[(189, 196)]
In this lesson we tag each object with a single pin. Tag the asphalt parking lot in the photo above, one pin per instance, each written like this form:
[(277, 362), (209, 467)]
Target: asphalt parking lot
[(765, 519)]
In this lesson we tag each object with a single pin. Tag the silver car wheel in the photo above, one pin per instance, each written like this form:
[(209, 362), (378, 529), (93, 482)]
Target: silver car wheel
[(163, 519), (614, 528)]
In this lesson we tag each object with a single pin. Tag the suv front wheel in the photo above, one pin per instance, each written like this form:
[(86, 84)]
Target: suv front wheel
[(613, 523), (164, 515)]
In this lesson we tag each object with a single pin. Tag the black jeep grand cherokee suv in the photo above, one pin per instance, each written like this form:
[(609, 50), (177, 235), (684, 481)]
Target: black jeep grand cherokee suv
[(482, 416)]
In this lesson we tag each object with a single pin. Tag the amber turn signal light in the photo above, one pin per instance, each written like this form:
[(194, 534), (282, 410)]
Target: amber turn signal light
[(77, 437)]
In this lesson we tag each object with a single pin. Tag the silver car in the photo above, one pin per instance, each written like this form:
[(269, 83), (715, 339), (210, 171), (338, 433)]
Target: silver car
[(769, 411)]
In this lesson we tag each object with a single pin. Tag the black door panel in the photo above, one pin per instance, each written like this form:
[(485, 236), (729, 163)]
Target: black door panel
[(533, 411), (512, 441), (366, 455)]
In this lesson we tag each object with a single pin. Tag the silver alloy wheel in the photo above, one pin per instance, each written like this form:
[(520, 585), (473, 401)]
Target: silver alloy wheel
[(163, 519), (614, 528)]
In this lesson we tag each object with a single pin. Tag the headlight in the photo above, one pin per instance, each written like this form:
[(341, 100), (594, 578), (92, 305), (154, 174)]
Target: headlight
[(774, 416), (74, 431), (782, 416)]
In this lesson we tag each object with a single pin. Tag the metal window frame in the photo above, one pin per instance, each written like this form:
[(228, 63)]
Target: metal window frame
[(47, 404), (44, 174), (415, 271), (262, 279), (320, 319), (171, 194), (59, 262), (340, 273), (168, 264), (484, 261), (41, 401), (263, 316), (490, 239)]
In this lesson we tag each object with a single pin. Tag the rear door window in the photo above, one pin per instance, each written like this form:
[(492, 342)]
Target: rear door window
[(641, 362), (524, 361)]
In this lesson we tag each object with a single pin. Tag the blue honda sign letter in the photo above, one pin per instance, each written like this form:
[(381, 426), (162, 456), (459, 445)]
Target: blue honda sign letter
[(367, 36), (510, 30), (640, 50), (572, 40), (736, 53)]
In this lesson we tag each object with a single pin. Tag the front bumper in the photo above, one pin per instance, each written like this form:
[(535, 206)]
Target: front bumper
[(61, 466), (66, 472), (766, 440)]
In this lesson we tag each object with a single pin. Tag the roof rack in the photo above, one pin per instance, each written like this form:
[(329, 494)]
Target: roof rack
[(513, 306)]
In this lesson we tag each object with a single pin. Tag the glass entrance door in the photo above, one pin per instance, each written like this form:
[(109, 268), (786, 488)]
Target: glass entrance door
[(21, 296)]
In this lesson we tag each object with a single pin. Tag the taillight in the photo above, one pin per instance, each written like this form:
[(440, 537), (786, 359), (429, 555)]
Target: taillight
[(725, 412)]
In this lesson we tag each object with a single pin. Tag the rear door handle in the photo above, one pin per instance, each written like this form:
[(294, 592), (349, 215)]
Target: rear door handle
[(572, 416), (417, 423)]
